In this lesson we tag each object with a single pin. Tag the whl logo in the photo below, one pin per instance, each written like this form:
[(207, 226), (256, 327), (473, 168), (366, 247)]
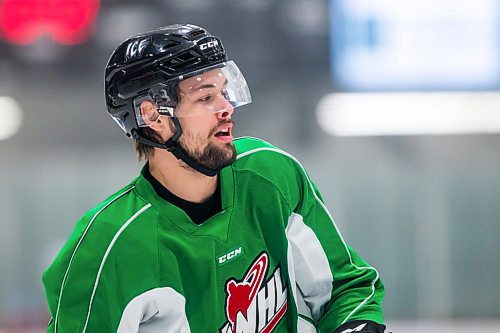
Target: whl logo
[(255, 305)]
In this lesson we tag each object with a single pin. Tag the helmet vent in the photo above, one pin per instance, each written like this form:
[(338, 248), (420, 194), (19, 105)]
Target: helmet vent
[(170, 44), (182, 61), (186, 56), (197, 33)]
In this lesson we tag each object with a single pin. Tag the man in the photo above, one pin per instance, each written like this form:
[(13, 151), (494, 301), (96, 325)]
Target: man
[(215, 234)]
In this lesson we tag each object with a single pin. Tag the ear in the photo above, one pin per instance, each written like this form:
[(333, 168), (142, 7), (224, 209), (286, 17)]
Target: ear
[(150, 115)]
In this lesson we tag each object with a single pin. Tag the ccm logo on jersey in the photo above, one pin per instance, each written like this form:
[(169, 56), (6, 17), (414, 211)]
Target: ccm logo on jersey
[(212, 43), (255, 305), (231, 255)]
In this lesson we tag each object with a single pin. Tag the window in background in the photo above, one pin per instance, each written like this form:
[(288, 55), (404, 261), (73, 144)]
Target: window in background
[(415, 45), (413, 68)]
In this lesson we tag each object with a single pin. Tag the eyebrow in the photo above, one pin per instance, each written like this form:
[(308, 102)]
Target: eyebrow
[(209, 85)]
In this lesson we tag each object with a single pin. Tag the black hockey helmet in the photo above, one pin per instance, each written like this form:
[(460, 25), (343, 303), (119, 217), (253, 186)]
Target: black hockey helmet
[(160, 58), (150, 65)]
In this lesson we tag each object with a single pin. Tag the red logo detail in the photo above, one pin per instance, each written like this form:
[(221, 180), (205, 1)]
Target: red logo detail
[(240, 295), (255, 305), (65, 21)]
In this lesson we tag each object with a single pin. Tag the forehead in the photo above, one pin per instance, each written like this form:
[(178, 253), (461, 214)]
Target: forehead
[(211, 79)]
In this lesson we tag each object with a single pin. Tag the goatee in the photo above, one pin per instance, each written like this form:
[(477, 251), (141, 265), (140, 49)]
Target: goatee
[(212, 157)]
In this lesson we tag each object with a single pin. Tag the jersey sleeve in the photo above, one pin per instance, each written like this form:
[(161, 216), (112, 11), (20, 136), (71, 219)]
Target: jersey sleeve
[(69, 285), (334, 284), (110, 259)]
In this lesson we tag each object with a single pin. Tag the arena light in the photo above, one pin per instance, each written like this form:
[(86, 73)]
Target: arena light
[(374, 114), (10, 117), (67, 22)]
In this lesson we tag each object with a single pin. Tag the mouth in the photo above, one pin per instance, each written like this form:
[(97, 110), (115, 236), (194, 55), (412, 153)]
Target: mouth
[(224, 132)]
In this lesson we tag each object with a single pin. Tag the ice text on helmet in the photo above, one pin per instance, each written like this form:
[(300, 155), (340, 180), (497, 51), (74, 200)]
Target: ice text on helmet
[(135, 48), (212, 43), (254, 305)]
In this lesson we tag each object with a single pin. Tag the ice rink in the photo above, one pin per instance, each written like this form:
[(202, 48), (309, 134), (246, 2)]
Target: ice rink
[(392, 107), (394, 326)]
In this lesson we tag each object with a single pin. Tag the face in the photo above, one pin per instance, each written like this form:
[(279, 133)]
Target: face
[(205, 117)]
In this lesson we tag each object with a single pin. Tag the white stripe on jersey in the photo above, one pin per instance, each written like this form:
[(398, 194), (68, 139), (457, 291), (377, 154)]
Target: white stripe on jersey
[(76, 249), (311, 265), (164, 307), (303, 326), (110, 246), (279, 151)]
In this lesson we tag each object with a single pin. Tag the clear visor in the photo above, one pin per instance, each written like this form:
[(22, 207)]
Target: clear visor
[(212, 91)]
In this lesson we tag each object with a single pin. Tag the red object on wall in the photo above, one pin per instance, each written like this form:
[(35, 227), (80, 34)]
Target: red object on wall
[(67, 22)]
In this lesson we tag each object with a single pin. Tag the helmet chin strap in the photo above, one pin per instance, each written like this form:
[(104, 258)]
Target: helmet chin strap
[(173, 146)]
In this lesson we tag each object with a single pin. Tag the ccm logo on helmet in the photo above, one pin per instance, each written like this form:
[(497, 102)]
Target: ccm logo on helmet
[(212, 43)]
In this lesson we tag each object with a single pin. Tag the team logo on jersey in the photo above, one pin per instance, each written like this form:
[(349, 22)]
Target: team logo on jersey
[(255, 305)]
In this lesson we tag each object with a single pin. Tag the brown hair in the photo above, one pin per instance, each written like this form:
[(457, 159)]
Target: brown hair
[(146, 151)]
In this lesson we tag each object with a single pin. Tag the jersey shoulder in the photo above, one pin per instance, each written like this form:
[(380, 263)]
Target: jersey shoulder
[(115, 205), (99, 228), (267, 161), (248, 143), (259, 156)]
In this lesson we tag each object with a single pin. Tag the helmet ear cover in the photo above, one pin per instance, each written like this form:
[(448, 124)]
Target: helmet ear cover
[(161, 98), (164, 97)]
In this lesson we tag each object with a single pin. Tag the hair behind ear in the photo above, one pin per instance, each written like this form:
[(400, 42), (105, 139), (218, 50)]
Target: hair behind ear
[(146, 151)]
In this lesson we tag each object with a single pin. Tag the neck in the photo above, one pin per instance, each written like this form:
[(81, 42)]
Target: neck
[(179, 179)]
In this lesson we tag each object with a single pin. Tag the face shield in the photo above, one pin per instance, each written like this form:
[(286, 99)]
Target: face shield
[(210, 91)]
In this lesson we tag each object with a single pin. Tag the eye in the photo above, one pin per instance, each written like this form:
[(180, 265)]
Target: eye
[(225, 94), (205, 98)]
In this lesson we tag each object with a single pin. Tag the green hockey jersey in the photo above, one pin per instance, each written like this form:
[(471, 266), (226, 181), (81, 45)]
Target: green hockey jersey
[(272, 260)]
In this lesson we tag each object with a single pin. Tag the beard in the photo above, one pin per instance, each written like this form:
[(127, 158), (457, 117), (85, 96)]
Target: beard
[(211, 156), (214, 157)]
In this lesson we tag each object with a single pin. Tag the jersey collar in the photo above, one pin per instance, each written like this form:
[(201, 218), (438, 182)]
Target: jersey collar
[(216, 226)]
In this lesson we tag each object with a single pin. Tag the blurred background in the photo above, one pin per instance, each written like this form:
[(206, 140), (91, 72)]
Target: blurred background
[(392, 106)]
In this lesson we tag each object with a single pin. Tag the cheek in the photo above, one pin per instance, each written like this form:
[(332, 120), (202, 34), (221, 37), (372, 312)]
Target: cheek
[(200, 124), (198, 127)]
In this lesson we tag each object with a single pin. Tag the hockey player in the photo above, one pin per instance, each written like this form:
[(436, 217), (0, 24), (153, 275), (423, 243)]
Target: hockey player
[(216, 234)]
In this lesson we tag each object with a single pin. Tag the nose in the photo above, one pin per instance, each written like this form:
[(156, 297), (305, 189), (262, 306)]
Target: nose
[(225, 110)]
